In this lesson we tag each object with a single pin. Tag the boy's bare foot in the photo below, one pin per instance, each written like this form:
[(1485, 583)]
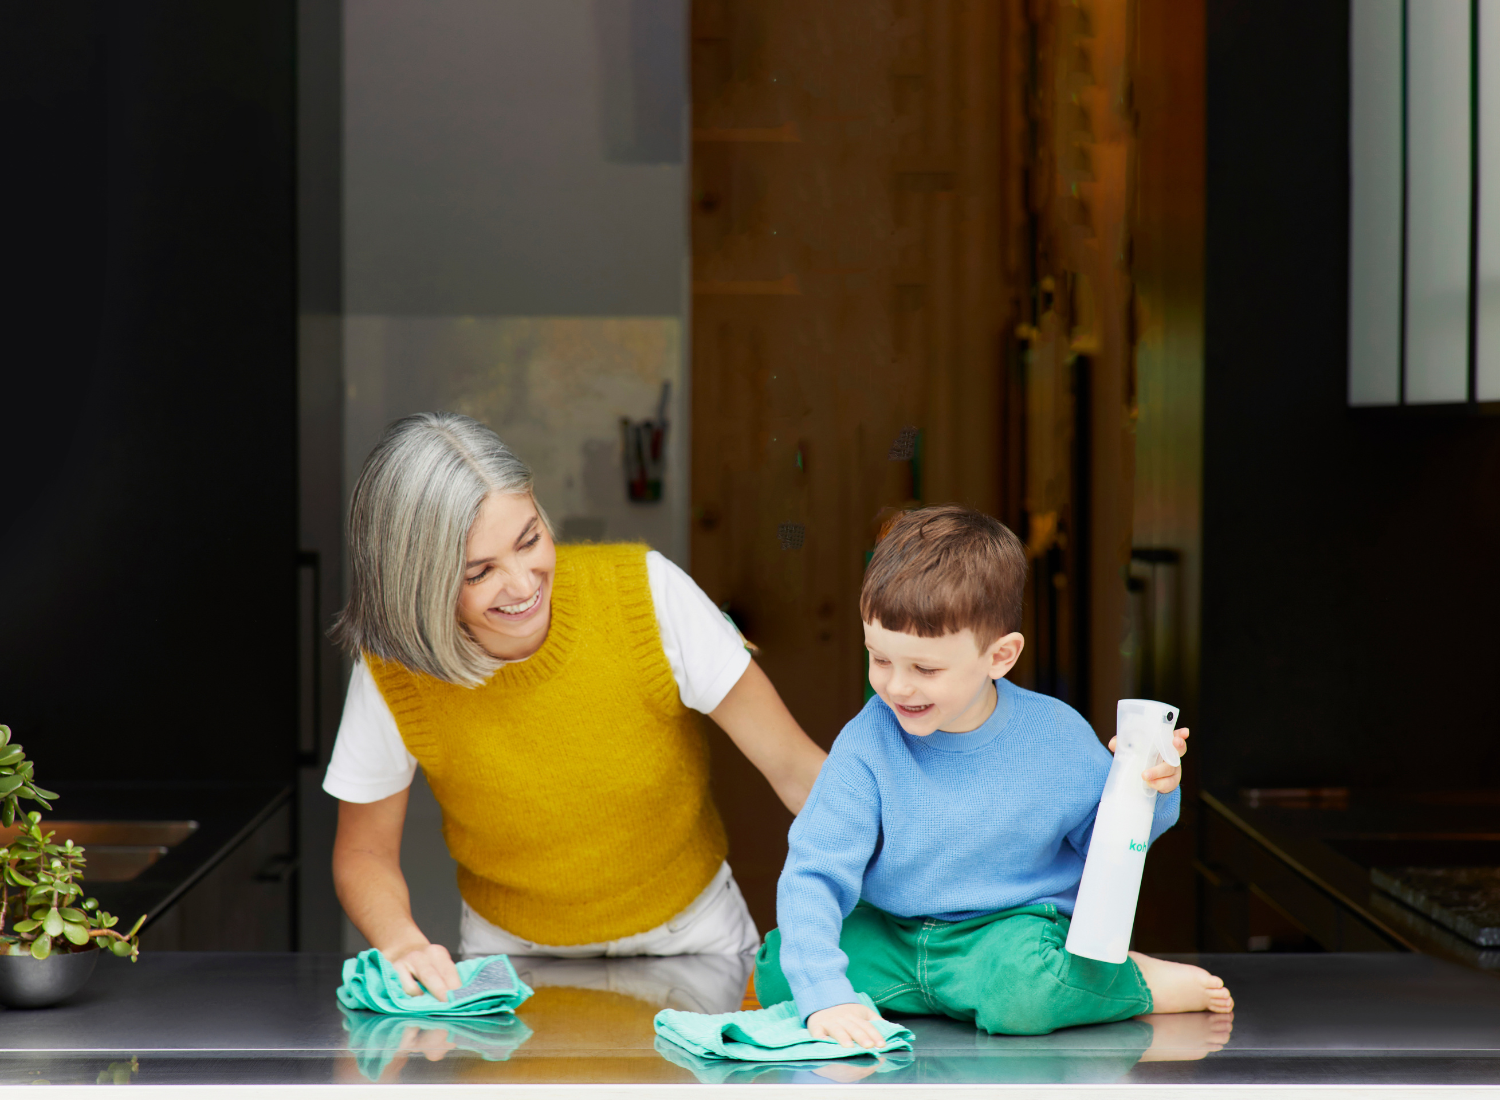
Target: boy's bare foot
[(1186, 1036), (1178, 987)]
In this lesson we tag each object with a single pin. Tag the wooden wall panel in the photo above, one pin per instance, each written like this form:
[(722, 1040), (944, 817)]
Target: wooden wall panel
[(1167, 258), (855, 247), (970, 218), (1114, 347), (1080, 441)]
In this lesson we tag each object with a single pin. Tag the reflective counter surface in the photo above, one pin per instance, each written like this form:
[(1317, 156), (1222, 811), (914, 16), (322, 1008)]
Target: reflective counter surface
[(188, 1018)]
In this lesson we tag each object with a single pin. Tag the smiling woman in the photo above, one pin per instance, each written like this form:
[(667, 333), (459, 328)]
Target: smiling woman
[(548, 694), (502, 604)]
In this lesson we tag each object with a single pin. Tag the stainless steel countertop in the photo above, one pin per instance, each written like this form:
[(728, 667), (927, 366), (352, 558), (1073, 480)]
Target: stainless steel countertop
[(205, 1019)]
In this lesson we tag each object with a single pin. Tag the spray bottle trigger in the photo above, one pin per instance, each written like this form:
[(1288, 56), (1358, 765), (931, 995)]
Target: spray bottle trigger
[(1164, 746)]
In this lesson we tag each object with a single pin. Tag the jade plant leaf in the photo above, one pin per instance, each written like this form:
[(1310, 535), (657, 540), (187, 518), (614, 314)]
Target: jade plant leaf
[(47, 909)]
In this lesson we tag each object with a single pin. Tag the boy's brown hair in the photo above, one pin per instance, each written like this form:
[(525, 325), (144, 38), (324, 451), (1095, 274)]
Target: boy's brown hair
[(942, 569)]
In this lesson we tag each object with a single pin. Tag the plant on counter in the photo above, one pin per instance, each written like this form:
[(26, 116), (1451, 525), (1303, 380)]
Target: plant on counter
[(40, 910)]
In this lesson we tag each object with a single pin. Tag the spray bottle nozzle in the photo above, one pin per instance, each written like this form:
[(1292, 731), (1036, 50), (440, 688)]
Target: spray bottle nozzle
[(1164, 744), (1153, 724)]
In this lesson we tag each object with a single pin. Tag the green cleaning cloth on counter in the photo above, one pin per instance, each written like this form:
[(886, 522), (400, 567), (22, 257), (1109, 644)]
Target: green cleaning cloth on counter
[(772, 1034), (722, 1071), (490, 985)]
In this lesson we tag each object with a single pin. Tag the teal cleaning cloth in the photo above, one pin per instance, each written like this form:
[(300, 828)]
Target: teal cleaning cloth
[(375, 1039), (490, 986), (772, 1034), (719, 1071)]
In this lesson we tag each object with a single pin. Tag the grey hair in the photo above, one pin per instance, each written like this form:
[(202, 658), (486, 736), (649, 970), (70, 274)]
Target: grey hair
[(409, 519)]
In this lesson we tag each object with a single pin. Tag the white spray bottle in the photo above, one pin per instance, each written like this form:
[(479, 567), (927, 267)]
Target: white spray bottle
[(1104, 914)]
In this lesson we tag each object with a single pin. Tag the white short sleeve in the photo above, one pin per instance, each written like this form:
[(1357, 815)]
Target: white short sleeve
[(706, 652), (370, 761)]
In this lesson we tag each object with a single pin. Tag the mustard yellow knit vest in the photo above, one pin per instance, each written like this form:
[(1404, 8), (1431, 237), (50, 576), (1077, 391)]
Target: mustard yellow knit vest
[(574, 784)]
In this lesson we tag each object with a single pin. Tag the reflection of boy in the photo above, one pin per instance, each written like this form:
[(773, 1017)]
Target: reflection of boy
[(938, 857)]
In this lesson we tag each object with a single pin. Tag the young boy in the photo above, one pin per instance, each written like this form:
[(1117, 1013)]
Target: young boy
[(936, 862)]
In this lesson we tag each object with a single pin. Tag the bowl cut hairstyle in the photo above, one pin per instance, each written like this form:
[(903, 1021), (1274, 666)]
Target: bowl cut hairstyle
[(944, 569), (409, 519)]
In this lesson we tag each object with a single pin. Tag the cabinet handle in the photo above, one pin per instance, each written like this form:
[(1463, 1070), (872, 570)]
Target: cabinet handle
[(311, 755), (277, 869)]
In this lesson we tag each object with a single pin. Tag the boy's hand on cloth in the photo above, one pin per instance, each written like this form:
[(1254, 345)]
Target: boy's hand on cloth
[(425, 967), (1164, 777), (846, 1024)]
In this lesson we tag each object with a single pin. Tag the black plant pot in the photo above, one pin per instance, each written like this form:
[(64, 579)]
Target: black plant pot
[(36, 983)]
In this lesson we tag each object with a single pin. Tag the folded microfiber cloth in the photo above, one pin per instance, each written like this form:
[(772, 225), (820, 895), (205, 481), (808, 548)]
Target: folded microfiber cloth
[(490, 985), (722, 1071), (376, 1038), (772, 1034)]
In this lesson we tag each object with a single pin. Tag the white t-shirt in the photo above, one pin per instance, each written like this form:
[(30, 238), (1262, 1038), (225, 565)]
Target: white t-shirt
[(706, 652)]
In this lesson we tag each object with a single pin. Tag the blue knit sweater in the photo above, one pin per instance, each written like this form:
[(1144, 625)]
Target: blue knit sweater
[(951, 825)]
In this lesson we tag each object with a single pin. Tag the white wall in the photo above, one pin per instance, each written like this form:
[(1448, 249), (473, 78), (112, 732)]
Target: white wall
[(515, 248)]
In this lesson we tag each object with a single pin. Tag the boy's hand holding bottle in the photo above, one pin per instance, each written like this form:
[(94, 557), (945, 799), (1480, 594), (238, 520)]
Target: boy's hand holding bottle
[(1163, 777), (848, 1024)]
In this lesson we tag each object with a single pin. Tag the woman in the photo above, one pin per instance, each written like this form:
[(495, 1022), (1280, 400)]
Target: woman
[(547, 694)]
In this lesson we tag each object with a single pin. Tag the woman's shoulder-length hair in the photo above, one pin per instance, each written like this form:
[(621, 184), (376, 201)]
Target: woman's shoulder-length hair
[(409, 518)]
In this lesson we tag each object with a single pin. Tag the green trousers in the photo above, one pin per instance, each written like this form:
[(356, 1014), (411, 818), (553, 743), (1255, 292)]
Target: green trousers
[(1006, 971)]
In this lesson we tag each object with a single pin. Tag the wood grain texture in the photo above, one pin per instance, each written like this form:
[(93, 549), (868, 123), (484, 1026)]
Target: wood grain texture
[(856, 151), (968, 219)]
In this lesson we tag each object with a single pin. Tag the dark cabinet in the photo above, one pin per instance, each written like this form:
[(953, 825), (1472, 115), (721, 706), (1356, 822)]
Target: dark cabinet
[(1255, 895), (244, 904)]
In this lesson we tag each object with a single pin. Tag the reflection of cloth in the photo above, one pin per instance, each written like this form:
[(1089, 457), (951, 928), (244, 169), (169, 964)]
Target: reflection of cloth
[(1006, 971), (772, 1034), (375, 1038), (716, 922), (490, 985), (574, 784), (692, 983), (724, 1071)]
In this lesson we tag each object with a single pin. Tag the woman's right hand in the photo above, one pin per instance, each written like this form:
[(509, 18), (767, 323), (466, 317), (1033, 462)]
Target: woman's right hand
[(425, 966), (367, 876)]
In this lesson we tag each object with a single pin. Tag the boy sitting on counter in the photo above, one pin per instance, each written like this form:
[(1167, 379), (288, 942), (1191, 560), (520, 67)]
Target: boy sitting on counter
[(936, 862)]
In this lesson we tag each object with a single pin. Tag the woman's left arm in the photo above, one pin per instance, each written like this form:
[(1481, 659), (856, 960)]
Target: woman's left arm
[(757, 721)]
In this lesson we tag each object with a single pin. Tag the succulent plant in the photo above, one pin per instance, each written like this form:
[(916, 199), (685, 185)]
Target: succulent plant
[(42, 907)]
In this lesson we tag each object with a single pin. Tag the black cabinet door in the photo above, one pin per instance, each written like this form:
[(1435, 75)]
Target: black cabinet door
[(148, 387)]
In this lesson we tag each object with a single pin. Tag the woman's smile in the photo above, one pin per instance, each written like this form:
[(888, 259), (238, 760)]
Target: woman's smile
[(508, 547), (517, 611)]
